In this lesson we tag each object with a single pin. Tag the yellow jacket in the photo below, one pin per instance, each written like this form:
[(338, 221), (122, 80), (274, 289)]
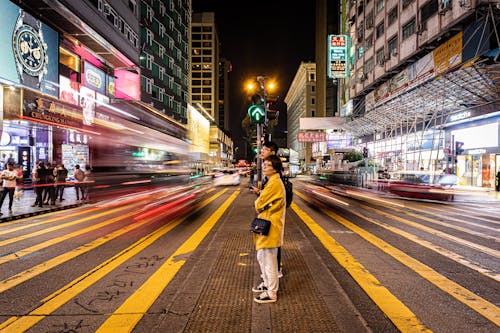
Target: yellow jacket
[(274, 193)]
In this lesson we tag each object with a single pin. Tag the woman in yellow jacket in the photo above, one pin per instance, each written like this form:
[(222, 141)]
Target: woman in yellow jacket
[(270, 205)]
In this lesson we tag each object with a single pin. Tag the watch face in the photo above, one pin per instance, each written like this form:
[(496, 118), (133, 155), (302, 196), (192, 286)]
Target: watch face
[(29, 50)]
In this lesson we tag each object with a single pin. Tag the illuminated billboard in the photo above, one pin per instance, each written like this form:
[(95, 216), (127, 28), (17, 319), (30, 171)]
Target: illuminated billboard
[(337, 56), (30, 54)]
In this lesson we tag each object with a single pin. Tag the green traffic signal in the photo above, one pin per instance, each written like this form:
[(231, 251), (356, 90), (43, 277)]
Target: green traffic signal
[(257, 113)]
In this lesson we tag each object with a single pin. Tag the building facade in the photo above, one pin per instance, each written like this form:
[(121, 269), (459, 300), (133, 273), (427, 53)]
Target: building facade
[(301, 102), (421, 71), (79, 101)]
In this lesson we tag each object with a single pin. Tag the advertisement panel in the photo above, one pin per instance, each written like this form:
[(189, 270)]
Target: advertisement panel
[(94, 78), (30, 54), (87, 102), (68, 90)]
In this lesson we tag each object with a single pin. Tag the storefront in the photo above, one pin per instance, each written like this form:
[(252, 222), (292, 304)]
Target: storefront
[(37, 127), (479, 159)]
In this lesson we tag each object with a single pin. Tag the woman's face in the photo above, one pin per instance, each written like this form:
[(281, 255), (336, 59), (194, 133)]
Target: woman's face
[(265, 152), (267, 168)]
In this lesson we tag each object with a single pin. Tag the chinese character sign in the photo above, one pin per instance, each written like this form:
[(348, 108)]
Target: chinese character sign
[(337, 56)]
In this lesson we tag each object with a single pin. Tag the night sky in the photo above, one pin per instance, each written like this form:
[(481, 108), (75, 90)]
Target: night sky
[(268, 38)]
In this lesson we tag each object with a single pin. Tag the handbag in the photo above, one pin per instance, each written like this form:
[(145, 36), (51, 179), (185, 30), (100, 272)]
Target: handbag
[(260, 226)]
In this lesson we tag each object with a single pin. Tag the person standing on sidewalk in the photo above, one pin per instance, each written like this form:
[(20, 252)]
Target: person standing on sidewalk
[(9, 177), (270, 148), (38, 178), (271, 206), (79, 177), (61, 175)]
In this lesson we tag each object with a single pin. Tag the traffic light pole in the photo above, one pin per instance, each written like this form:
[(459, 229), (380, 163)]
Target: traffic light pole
[(259, 161), (260, 129)]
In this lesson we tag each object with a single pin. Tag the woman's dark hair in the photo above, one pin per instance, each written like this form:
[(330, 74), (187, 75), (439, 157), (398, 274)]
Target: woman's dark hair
[(275, 162), (271, 145)]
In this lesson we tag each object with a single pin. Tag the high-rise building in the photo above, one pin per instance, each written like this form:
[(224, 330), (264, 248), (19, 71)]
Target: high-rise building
[(164, 58), (205, 63), (301, 102)]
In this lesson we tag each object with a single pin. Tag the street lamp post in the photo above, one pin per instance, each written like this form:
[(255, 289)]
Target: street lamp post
[(260, 128)]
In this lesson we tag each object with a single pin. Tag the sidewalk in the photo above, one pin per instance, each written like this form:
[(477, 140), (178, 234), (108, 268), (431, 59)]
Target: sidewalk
[(21, 208)]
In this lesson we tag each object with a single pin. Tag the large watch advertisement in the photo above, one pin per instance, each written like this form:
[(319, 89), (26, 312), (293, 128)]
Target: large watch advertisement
[(30, 54)]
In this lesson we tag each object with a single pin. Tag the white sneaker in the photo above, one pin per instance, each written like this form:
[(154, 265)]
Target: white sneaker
[(265, 298), (260, 288)]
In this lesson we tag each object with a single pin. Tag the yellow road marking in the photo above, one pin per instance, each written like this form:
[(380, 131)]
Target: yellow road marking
[(436, 232), (480, 305), (40, 246), (422, 242), (45, 221), (404, 319), (65, 294), (126, 317), (57, 227)]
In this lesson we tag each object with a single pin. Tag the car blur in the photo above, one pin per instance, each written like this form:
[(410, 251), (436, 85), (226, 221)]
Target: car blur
[(226, 177)]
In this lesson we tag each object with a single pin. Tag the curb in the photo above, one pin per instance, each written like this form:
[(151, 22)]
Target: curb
[(45, 211)]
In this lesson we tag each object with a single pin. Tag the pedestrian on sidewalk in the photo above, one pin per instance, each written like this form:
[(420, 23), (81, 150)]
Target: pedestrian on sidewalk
[(61, 175), (270, 148), (79, 177), (271, 206), (38, 179), (49, 196), (9, 177)]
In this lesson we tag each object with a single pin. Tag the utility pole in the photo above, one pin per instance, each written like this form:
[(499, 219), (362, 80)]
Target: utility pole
[(260, 126)]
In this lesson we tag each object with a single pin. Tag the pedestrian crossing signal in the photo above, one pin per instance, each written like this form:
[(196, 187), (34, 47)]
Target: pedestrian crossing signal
[(257, 113)]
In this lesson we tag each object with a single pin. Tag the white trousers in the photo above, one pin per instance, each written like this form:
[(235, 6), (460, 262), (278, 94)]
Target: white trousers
[(268, 263)]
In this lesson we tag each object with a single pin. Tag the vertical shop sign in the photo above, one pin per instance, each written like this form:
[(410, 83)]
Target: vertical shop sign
[(24, 158), (337, 56)]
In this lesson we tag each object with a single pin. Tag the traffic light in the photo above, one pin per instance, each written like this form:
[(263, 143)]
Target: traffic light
[(257, 111), (458, 147)]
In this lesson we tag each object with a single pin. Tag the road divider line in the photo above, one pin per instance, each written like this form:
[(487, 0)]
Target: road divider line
[(436, 248), (78, 285), (438, 233), (397, 312), (475, 302), (126, 317), (58, 227)]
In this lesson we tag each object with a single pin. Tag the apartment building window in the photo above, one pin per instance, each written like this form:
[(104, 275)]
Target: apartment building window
[(392, 16), (149, 37), (313, 101), (392, 45), (369, 65), (379, 5), (149, 13), (369, 20), (133, 6), (313, 88), (369, 41), (409, 29), (428, 10), (149, 85), (380, 56), (406, 3), (312, 77), (380, 30)]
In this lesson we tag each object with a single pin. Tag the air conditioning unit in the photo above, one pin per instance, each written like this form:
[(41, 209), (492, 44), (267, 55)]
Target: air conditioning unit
[(394, 53), (381, 61), (444, 5), (387, 57), (420, 28)]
